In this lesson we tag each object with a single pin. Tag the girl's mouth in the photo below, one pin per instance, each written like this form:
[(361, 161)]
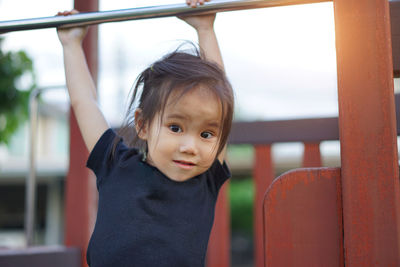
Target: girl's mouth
[(184, 164)]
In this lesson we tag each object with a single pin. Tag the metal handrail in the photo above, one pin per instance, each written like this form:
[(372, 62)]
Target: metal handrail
[(143, 13), (30, 191)]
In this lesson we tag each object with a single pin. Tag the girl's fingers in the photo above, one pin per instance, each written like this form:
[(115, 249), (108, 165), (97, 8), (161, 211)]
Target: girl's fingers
[(59, 13), (194, 3), (67, 12)]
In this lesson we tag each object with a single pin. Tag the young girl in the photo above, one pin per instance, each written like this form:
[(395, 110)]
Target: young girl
[(156, 202)]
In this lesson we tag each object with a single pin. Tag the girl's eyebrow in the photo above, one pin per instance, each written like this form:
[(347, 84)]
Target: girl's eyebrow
[(213, 124), (176, 116)]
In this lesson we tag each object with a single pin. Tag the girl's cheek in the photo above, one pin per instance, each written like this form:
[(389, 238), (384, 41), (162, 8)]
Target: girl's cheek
[(212, 151)]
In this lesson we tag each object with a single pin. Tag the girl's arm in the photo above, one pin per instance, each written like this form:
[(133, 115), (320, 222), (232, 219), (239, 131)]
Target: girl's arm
[(204, 26), (81, 88)]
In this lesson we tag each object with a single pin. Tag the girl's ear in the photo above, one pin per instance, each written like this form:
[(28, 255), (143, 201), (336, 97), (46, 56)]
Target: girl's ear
[(141, 127)]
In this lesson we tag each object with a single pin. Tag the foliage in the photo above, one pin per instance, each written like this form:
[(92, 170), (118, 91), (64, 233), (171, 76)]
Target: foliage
[(14, 99), (241, 193)]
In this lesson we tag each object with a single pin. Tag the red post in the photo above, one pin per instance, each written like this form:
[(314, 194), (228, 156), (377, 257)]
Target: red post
[(218, 252), (80, 183), (263, 177), (367, 124), (312, 155)]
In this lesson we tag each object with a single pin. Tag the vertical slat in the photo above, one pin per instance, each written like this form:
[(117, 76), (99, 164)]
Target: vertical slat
[(312, 155), (79, 183), (367, 126), (303, 219), (263, 177), (218, 252)]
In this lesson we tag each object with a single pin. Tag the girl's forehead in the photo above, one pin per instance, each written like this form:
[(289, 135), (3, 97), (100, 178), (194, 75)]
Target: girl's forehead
[(190, 95), (199, 103)]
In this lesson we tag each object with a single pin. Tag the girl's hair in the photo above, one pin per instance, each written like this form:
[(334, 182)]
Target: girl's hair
[(176, 71)]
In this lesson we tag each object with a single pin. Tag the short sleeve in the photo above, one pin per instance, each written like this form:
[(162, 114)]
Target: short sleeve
[(220, 173), (102, 158), (102, 147)]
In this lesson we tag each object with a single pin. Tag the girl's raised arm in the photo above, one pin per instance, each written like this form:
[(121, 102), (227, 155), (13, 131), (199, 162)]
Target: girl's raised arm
[(81, 88), (204, 26)]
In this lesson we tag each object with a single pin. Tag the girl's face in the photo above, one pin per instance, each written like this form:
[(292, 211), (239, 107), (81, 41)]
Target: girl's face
[(184, 142)]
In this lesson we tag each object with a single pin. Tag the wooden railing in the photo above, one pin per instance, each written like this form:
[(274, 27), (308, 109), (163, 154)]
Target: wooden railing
[(262, 134)]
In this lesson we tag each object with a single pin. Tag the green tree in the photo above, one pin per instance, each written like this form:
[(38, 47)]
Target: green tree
[(16, 83)]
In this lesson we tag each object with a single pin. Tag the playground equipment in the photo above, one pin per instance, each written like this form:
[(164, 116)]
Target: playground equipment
[(312, 216)]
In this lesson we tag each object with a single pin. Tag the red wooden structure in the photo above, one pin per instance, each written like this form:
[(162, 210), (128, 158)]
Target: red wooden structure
[(313, 216), (367, 122)]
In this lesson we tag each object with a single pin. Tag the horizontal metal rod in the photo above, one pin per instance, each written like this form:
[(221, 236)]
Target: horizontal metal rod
[(143, 13)]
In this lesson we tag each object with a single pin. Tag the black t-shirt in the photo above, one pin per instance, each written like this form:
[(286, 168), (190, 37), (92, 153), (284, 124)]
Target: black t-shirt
[(146, 219)]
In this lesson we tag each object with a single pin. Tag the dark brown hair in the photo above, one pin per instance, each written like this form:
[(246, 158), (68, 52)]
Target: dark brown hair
[(176, 71)]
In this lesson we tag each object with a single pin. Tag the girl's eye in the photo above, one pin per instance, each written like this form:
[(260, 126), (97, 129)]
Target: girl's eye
[(175, 128), (206, 135)]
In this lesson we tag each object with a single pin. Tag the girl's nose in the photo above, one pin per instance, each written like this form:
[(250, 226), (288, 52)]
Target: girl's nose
[(188, 145)]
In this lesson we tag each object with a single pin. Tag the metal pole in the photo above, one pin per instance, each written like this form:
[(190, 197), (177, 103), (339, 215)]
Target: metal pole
[(30, 191), (143, 13)]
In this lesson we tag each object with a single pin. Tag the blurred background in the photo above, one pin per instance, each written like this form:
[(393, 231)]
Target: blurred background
[(281, 62)]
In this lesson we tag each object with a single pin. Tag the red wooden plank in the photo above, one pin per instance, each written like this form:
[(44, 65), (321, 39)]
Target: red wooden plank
[(218, 252), (80, 183), (299, 130), (42, 256), (367, 126), (312, 155), (263, 177), (302, 219)]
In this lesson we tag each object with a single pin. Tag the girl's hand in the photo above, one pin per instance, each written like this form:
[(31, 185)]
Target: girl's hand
[(194, 3), (200, 22), (204, 25), (70, 35)]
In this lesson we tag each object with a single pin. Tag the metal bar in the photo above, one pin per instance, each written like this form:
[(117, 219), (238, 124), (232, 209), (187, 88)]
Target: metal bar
[(143, 13), (30, 191)]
